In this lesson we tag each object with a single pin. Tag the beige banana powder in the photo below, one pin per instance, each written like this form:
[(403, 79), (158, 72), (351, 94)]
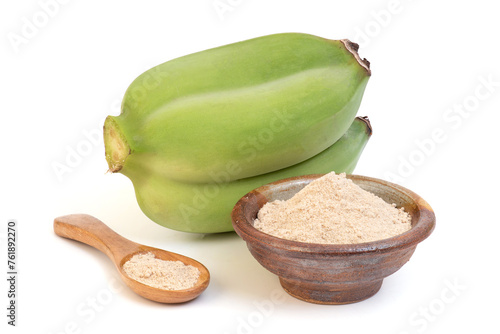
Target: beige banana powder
[(166, 275), (332, 210)]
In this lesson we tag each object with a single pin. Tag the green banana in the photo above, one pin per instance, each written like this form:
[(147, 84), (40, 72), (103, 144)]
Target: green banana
[(262, 105), (206, 207)]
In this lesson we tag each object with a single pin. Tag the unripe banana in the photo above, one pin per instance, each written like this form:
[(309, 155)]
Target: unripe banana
[(206, 207), (263, 104)]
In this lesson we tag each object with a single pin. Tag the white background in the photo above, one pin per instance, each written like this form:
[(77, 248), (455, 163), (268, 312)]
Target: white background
[(429, 60)]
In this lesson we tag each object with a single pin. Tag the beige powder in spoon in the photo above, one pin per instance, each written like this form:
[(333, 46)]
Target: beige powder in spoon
[(161, 274), (332, 210)]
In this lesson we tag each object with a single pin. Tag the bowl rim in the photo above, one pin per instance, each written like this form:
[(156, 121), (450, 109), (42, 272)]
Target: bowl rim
[(419, 231)]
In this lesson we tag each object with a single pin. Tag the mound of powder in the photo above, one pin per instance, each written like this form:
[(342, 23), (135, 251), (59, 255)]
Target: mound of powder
[(166, 275), (332, 210)]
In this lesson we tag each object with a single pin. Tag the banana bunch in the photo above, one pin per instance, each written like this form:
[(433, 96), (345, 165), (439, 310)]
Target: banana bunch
[(200, 131)]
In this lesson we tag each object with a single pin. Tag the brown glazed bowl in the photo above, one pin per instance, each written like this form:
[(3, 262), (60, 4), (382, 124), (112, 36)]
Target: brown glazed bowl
[(332, 273)]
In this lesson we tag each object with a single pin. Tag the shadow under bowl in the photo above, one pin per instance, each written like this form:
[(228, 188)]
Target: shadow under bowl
[(332, 273)]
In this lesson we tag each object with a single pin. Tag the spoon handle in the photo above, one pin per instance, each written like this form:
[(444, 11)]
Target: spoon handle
[(93, 232)]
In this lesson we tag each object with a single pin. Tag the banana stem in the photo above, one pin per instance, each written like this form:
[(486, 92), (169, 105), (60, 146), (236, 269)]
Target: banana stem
[(116, 146), (353, 48), (369, 129)]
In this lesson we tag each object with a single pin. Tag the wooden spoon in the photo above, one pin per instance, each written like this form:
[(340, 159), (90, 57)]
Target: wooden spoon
[(93, 232)]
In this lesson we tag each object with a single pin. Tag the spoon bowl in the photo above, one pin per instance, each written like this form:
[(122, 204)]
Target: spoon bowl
[(93, 232)]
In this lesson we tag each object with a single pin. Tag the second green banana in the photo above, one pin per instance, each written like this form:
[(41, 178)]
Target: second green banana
[(206, 207)]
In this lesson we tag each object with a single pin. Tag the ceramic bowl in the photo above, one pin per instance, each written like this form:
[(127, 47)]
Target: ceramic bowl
[(332, 273)]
